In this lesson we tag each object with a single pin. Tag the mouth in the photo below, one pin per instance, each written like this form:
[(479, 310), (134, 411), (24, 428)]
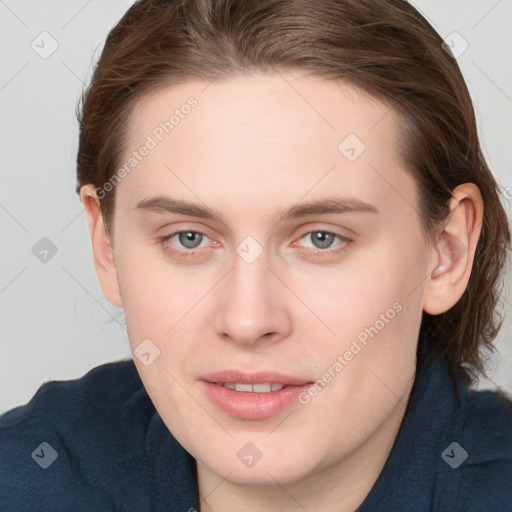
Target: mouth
[(251, 388), (253, 396)]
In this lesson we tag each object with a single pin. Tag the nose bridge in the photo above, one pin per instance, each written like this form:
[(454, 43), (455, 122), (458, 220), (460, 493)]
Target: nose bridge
[(250, 280), (252, 306)]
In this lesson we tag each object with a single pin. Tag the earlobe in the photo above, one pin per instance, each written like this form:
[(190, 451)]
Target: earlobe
[(454, 250), (103, 253)]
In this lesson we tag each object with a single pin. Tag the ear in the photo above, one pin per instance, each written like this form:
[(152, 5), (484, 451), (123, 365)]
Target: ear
[(103, 252), (454, 249)]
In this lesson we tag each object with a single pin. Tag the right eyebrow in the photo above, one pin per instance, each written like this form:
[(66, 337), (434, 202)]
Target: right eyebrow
[(166, 204)]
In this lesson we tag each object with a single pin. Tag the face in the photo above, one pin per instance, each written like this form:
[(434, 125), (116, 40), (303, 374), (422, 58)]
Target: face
[(270, 260)]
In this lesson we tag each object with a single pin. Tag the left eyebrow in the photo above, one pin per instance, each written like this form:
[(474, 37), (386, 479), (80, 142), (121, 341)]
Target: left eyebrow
[(327, 206)]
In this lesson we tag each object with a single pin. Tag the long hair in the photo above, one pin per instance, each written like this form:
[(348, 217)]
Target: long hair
[(384, 47)]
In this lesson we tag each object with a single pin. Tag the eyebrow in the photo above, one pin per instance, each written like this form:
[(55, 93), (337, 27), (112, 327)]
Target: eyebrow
[(329, 205)]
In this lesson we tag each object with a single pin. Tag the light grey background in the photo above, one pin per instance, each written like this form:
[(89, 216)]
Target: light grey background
[(55, 323)]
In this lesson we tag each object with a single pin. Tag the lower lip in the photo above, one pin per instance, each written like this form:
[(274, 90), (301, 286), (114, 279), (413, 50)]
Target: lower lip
[(253, 406)]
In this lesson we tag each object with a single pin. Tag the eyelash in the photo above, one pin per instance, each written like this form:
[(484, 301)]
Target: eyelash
[(184, 254), (323, 253), (181, 254)]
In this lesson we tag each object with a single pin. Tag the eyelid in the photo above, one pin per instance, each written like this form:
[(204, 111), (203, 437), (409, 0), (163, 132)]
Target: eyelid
[(183, 253), (179, 231), (308, 231), (184, 227), (301, 235)]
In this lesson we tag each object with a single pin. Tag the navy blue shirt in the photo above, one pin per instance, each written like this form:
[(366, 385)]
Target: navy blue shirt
[(98, 444)]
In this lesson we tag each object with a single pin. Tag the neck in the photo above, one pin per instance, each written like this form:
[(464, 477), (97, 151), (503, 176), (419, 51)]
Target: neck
[(341, 488)]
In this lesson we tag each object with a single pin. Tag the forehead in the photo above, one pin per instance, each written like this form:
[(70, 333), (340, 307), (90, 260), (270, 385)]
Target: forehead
[(265, 103), (266, 133)]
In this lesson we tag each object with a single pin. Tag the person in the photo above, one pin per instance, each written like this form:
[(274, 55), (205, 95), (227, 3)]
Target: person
[(289, 201)]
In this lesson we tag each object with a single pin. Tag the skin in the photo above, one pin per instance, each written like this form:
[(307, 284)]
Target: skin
[(254, 147)]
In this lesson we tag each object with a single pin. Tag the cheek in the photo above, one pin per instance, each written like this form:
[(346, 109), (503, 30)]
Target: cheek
[(347, 300), (375, 289), (155, 295), (148, 306), (168, 314)]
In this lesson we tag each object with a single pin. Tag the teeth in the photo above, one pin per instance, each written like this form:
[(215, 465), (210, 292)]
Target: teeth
[(243, 387), (261, 388), (252, 388)]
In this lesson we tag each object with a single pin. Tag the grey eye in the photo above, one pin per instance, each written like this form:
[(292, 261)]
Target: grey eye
[(321, 239), (190, 239)]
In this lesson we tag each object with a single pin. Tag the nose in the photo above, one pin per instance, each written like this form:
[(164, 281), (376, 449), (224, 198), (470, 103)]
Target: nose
[(252, 307)]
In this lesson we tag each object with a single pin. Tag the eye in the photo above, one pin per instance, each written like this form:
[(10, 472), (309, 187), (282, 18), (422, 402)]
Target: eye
[(322, 239), (187, 239)]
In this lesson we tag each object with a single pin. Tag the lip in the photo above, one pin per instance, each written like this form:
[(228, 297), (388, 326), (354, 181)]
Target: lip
[(255, 378), (253, 406)]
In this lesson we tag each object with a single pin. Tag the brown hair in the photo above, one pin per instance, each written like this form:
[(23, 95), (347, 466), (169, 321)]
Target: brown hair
[(385, 47)]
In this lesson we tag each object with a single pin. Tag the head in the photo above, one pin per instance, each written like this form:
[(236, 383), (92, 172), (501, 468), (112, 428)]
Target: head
[(293, 187)]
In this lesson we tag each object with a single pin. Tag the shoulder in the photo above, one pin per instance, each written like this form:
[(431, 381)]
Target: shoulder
[(60, 402), (491, 412), (488, 427), (487, 434), (72, 437)]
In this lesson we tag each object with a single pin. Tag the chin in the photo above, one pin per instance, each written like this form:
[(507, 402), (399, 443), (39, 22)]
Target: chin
[(281, 466), (266, 475)]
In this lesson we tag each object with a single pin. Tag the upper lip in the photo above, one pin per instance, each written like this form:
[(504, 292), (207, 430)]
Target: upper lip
[(263, 377)]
